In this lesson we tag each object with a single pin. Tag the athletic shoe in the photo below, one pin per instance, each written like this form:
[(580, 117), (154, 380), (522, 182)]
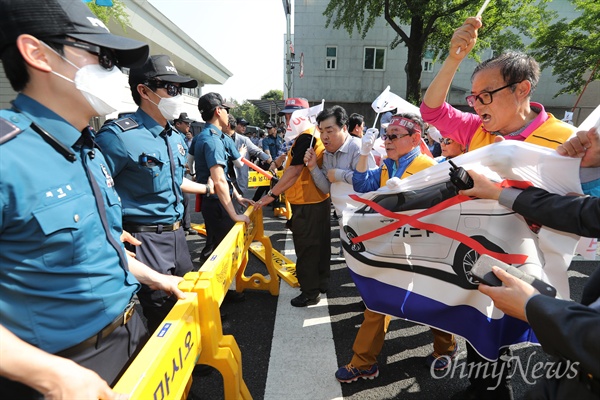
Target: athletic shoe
[(348, 373)]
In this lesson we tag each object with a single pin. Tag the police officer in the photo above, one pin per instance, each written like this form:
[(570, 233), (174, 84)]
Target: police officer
[(211, 158), (147, 159), (68, 325)]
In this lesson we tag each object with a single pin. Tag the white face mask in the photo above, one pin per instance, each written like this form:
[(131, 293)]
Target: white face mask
[(169, 107), (104, 90)]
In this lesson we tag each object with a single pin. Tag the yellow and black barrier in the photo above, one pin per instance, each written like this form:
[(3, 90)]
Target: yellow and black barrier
[(256, 179), (192, 333)]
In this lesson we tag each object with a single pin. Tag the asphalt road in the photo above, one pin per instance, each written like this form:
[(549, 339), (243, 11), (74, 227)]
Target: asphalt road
[(305, 369)]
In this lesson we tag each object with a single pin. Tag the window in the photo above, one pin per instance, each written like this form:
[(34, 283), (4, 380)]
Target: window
[(374, 58), (427, 65), (331, 58)]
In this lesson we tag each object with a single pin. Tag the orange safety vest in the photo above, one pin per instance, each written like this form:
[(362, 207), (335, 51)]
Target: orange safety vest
[(551, 133), (304, 190), (420, 162)]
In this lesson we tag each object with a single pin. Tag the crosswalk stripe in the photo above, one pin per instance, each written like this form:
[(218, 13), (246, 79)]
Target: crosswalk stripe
[(302, 349)]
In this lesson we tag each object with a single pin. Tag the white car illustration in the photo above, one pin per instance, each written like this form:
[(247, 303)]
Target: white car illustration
[(429, 253)]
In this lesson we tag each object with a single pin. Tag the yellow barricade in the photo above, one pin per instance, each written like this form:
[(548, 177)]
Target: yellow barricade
[(177, 341), (256, 179), (192, 332)]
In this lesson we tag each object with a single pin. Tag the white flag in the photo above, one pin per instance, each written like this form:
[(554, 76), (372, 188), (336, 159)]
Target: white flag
[(302, 120), (388, 101), (592, 120)]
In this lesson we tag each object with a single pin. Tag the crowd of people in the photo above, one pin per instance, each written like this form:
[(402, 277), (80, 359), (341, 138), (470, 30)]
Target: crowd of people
[(105, 219)]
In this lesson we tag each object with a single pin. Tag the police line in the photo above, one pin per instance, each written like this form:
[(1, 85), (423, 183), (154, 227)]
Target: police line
[(192, 333)]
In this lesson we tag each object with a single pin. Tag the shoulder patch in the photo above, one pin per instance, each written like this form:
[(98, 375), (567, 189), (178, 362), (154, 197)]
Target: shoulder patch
[(211, 130), (126, 124), (8, 130)]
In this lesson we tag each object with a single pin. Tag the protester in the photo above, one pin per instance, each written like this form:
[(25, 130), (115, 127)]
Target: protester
[(501, 90), (450, 149), (564, 328), (402, 144), (69, 327), (356, 125), (310, 207), (147, 158)]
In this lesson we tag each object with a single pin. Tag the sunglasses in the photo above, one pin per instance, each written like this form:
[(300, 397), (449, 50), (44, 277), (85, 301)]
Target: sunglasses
[(485, 97), (106, 57), (171, 88), (446, 141), (394, 137)]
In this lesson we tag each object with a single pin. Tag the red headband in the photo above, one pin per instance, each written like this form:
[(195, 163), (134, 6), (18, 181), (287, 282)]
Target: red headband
[(410, 125)]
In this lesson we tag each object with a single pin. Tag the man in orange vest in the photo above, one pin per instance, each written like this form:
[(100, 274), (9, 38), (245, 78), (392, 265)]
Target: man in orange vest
[(310, 208)]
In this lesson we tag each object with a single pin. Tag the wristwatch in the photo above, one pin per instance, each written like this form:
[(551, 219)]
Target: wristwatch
[(270, 193)]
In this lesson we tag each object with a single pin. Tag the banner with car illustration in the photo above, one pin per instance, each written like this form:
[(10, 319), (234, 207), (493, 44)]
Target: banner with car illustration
[(410, 249)]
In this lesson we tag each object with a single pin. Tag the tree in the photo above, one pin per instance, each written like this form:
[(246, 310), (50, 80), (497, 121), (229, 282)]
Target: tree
[(572, 49), (428, 25), (273, 94), (249, 112)]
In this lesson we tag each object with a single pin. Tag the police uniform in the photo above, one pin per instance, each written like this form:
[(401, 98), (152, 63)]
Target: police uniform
[(148, 181), (61, 280), (210, 150)]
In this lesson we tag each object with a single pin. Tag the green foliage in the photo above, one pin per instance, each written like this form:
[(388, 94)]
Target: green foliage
[(273, 94), (423, 25), (249, 112), (571, 49), (117, 12)]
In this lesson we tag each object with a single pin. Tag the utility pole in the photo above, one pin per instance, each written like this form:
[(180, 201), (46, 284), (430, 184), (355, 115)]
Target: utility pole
[(289, 83)]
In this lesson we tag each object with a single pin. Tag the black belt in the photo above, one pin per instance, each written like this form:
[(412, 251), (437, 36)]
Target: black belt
[(122, 319), (151, 228)]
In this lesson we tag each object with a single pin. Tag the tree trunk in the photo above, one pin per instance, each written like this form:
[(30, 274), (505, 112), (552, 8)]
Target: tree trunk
[(414, 67)]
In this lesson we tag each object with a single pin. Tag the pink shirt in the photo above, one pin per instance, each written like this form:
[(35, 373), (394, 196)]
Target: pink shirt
[(461, 126)]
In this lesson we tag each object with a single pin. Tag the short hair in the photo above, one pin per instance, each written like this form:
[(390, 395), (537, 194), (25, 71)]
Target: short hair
[(15, 67), (514, 66), (415, 118), (341, 118), (232, 121), (354, 120)]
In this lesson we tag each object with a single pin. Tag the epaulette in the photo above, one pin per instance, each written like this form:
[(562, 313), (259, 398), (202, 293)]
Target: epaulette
[(8, 130), (211, 130), (126, 123)]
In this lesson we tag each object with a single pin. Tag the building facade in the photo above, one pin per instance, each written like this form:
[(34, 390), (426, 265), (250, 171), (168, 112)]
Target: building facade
[(348, 70)]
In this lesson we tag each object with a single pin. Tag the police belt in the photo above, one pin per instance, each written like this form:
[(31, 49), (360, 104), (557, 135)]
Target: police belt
[(132, 228), (95, 340)]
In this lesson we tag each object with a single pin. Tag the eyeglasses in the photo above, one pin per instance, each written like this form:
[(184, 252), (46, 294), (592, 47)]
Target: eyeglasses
[(171, 88), (394, 137), (106, 57), (446, 141), (485, 97)]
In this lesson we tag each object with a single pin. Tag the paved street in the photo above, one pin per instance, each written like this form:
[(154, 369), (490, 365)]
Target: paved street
[(290, 353)]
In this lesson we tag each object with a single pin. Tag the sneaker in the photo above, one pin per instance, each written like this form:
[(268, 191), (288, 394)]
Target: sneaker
[(440, 363), (348, 373), (303, 301)]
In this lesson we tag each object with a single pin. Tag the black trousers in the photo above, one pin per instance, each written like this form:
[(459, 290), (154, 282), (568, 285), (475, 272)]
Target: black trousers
[(311, 233), (217, 223), (167, 253), (109, 359)]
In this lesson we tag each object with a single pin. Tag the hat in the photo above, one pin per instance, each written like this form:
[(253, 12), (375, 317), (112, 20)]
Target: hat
[(241, 121), (183, 117), (292, 104), (212, 100), (270, 125), (159, 66), (71, 18)]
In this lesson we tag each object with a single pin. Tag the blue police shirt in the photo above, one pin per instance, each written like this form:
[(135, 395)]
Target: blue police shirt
[(61, 281), (141, 168), (209, 151), (273, 144)]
